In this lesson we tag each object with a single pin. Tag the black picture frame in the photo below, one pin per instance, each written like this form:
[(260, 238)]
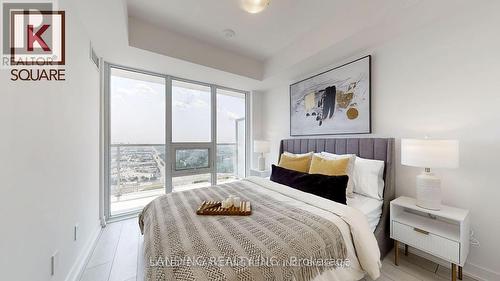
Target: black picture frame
[(369, 120)]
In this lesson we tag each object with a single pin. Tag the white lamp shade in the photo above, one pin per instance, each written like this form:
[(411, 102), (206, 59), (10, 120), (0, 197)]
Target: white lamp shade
[(427, 153), (260, 146)]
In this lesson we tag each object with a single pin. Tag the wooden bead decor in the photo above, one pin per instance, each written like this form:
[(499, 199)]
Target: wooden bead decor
[(214, 208)]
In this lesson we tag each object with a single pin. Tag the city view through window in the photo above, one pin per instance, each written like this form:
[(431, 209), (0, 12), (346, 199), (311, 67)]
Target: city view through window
[(138, 156)]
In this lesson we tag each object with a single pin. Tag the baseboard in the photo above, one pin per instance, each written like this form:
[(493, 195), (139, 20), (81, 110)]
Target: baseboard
[(472, 270), (78, 267), (480, 273)]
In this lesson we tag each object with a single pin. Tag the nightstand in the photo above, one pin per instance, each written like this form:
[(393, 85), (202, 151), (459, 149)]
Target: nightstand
[(443, 233), (262, 174)]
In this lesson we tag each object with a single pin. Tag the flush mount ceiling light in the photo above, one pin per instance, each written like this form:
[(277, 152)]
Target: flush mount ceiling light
[(254, 6)]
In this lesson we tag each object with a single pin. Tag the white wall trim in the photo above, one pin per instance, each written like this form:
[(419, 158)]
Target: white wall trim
[(481, 273), (475, 271), (76, 272)]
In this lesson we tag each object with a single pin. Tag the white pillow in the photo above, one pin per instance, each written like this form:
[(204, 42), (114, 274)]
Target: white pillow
[(350, 169), (297, 155), (368, 177)]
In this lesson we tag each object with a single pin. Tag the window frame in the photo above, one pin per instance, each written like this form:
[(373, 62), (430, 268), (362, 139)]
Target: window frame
[(170, 147)]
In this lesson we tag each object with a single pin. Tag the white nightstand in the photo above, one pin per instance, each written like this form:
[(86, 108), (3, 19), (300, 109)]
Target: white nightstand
[(443, 233), (262, 174)]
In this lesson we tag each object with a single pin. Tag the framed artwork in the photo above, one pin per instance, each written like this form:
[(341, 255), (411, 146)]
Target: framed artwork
[(334, 102)]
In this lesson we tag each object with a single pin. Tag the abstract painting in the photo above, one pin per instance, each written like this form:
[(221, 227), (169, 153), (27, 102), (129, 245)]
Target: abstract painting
[(333, 102)]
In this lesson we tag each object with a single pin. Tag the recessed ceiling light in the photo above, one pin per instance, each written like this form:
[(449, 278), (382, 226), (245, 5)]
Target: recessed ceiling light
[(228, 33), (254, 6)]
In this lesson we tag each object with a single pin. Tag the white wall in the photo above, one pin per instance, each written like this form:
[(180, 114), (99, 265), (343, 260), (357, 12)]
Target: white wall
[(49, 166), (442, 81), (162, 41)]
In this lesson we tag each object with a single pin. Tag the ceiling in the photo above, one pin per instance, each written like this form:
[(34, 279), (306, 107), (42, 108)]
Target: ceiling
[(289, 38), (259, 36)]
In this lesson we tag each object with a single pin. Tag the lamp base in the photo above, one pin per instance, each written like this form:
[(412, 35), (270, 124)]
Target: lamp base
[(428, 191), (262, 163)]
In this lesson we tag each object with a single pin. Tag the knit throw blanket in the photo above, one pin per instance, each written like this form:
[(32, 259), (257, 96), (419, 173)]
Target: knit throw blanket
[(277, 242)]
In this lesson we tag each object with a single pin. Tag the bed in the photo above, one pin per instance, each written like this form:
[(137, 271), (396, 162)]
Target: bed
[(369, 148), (370, 207), (285, 223)]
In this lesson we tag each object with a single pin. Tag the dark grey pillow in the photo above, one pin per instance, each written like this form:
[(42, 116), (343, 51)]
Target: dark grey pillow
[(329, 187)]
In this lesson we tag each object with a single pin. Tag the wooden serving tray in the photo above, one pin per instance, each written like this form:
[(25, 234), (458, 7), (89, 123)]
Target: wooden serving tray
[(213, 208)]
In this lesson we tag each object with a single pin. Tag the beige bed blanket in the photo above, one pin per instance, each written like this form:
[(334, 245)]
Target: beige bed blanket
[(277, 242)]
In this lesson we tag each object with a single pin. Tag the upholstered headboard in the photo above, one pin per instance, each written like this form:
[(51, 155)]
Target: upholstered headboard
[(369, 148)]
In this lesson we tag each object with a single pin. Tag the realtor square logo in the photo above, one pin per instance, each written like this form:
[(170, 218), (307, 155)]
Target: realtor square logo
[(33, 34)]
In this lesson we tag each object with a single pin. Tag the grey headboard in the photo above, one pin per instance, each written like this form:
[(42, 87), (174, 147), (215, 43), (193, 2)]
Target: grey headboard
[(369, 148)]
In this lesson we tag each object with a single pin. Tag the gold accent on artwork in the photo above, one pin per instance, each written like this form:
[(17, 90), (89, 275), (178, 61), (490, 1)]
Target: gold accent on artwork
[(344, 99), (352, 113), (310, 101)]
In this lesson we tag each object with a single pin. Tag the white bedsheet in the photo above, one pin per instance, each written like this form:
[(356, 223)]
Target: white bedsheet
[(370, 207), (362, 247)]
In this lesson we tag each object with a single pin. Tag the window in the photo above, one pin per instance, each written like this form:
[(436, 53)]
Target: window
[(190, 182), (191, 134), (137, 134), (191, 159), (231, 135), (166, 134), (191, 108)]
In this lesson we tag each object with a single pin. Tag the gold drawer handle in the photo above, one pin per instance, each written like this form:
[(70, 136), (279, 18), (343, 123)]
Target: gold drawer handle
[(421, 231)]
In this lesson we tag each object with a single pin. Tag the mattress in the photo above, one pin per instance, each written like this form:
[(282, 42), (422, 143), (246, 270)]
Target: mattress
[(370, 207), (361, 245)]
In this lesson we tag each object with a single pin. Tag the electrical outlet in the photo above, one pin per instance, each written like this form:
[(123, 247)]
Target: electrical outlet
[(54, 261), (75, 232), (473, 240)]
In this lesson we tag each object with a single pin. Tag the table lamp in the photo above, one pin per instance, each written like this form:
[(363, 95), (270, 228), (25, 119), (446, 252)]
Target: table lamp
[(260, 146), (427, 154)]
